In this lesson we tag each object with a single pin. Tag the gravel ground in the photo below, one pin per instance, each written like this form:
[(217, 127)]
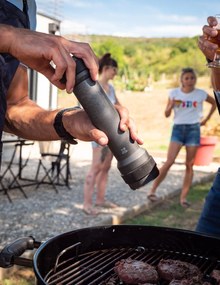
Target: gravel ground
[(46, 213)]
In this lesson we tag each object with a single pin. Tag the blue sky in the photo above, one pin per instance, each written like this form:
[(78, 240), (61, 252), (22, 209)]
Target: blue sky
[(133, 18)]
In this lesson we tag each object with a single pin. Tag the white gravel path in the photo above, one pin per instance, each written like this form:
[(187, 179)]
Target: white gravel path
[(46, 213)]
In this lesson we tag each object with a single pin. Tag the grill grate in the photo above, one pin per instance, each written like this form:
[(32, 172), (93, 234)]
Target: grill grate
[(96, 267)]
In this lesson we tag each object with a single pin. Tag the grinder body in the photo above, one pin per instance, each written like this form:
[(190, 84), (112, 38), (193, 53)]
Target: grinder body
[(136, 166)]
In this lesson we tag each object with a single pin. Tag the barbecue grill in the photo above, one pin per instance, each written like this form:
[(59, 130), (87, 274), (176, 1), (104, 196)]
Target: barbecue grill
[(88, 256)]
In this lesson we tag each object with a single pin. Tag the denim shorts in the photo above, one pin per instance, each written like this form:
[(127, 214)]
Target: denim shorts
[(186, 134)]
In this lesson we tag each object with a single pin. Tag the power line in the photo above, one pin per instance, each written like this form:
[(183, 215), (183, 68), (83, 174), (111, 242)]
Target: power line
[(52, 8)]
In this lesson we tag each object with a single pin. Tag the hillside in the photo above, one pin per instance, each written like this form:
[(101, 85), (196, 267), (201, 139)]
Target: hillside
[(143, 59)]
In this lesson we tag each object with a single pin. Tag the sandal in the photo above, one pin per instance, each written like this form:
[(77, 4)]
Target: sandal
[(152, 197), (91, 211), (185, 204), (106, 204)]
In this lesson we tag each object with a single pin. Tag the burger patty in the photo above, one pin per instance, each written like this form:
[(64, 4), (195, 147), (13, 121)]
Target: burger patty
[(215, 274), (133, 271), (169, 269)]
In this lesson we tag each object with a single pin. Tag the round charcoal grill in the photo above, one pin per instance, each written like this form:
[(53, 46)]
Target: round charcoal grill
[(88, 256)]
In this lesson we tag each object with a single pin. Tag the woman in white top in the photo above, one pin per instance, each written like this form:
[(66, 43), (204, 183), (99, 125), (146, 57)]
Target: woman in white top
[(187, 102), (102, 156)]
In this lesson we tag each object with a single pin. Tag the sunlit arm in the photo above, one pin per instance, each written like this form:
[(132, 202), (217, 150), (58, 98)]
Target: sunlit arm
[(211, 101), (169, 108), (215, 78)]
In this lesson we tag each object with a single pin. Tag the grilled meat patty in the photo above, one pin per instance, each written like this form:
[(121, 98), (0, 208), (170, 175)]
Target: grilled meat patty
[(133, 271), (169, 269), (215, 274)]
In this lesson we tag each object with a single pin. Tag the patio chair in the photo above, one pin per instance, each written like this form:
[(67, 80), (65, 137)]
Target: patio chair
[(12, 158), (55, 165)]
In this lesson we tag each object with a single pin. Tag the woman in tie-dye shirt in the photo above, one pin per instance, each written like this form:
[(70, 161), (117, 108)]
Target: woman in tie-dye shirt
[(186, 102)]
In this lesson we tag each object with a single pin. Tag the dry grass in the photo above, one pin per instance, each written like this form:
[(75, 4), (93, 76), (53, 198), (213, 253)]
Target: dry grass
[(169, 213)]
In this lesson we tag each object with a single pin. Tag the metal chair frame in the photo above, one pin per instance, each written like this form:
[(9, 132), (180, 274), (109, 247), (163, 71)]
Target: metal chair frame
[(9, 175), (53, 175)]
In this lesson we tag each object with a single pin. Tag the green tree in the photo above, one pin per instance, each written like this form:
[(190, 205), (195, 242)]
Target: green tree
[(140, 57)]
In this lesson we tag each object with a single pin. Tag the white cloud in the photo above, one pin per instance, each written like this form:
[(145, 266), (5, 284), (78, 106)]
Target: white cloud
[(173, 31), (68, 27), (161, 30), (92, 26), (83, 4), (123, 18), (78, 3), (178, 19)]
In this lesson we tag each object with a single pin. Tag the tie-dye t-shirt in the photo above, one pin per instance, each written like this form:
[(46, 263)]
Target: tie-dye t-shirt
[(188, 106)]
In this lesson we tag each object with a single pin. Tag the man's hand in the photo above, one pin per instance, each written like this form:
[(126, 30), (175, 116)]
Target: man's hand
[(78, 124), (127, 122), (209, 49), (209, 31), (48, 54)]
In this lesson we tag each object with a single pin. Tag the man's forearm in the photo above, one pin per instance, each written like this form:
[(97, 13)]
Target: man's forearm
[(215, 77), (31, 122), (6, 37)]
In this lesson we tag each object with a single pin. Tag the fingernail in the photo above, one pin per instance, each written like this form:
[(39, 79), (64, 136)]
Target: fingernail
[(102, 141), (96, 77), (70, 91), (125, 127)]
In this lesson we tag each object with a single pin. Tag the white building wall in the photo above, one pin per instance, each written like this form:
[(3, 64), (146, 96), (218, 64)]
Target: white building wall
[(47, 93)]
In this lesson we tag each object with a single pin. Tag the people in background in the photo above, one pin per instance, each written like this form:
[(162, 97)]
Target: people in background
[(101, 156), (50, 55), (209, 221), (186, 101)]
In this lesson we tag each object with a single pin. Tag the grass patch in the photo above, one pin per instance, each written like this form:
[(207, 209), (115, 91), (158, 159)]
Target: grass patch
[(170, 214), (19, 276)]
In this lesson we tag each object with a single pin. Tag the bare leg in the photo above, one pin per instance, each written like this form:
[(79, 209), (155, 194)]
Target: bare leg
[(102, 178), (90, 181), (190, 156), (173, 151)]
